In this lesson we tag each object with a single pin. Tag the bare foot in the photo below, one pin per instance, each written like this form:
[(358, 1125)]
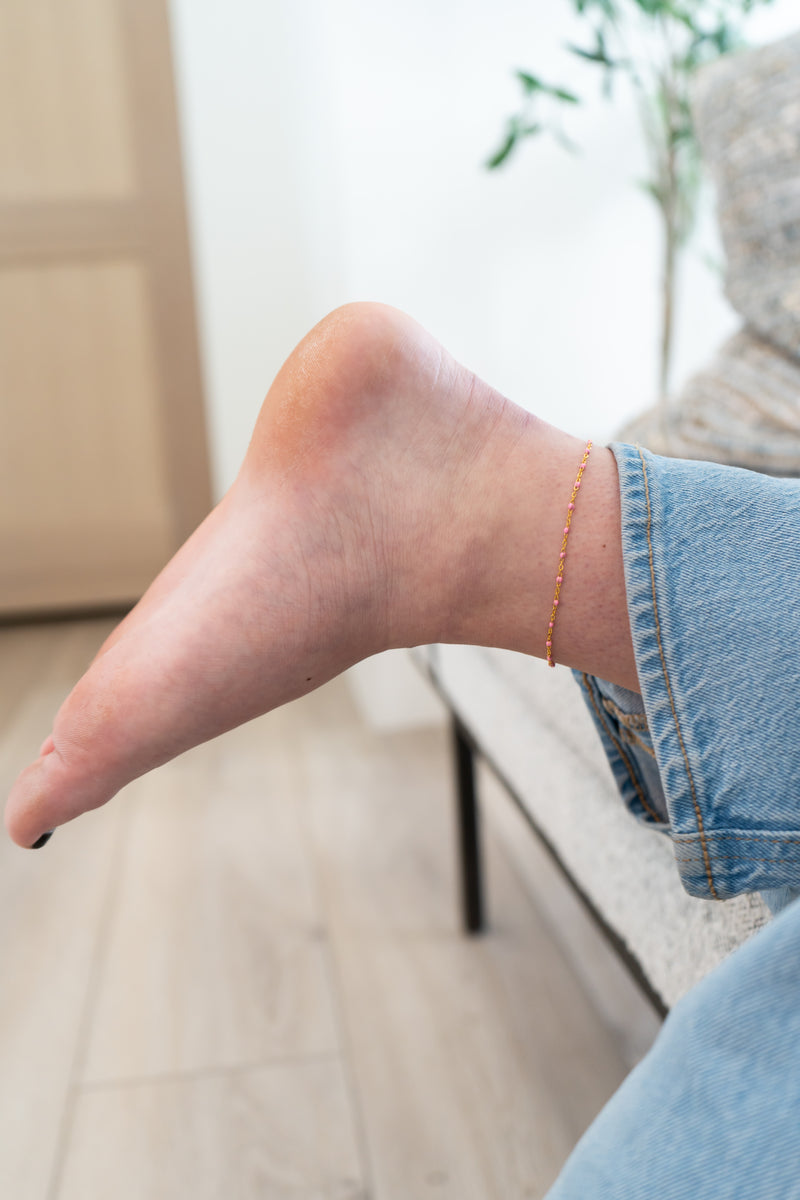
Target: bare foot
[(386, 499)]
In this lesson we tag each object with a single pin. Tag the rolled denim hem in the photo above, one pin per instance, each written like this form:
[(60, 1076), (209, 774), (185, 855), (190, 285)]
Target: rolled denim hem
[(712, 576)]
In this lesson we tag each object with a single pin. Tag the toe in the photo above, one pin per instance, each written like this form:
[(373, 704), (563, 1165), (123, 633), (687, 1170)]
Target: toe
[(85, 760), (35, 804)]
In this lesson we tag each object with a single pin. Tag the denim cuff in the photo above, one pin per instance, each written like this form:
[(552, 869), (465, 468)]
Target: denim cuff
[(712, 576)]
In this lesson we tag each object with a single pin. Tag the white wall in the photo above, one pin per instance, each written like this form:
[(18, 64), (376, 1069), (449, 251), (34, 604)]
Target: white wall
[(334, 151)]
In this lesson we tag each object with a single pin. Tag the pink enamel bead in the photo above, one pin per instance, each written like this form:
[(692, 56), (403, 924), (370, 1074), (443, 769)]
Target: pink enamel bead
[(559, 578), (548, 643)]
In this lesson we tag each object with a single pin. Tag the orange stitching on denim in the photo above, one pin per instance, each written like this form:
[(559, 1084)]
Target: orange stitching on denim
[(634, 740), (629, 720), (748, 858), (698, 813), (622, 754), (733, 837), (629, 723)]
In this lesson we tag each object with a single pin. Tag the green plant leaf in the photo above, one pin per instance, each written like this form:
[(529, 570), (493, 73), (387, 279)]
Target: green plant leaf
[(607, 7), (597, 56), (563, 94), (531, 83), (683, 13), (682, 17), (724, 38), (653, 8), (506, 147), (515, 133)]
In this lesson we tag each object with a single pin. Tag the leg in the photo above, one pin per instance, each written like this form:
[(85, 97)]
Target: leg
[(711, 1111), (388, 498), (468, 830)]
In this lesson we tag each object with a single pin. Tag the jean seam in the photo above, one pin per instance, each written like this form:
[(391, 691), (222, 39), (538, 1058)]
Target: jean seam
[(741, 837), (618, 747), (748, 858), (634, 740), (697, 810), (629, 720)]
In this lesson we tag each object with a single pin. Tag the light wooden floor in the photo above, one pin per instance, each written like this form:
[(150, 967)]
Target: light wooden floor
[(243, 979)]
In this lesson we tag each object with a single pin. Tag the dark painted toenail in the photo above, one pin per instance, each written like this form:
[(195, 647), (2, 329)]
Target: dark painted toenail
[(43, 840)]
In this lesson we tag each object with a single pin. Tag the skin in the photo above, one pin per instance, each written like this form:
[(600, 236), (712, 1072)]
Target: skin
[(388, 498)]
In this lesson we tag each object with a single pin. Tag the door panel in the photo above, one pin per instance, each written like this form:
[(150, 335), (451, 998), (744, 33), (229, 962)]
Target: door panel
[(65, 127), (82, 470), (103, 459)]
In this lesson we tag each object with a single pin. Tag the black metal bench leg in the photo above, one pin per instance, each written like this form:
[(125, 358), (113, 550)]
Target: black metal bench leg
[(468, 831)]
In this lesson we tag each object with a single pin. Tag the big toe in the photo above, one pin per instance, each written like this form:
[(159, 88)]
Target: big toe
[(123, 718), (46, 793)]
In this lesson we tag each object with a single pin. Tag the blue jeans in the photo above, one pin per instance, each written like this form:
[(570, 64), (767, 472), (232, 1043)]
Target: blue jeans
[(712, 575)]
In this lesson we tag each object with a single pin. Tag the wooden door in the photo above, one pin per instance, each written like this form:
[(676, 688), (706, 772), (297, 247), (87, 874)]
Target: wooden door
[(103, 459)]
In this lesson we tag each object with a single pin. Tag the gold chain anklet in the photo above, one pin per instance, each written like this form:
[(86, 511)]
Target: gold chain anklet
[(563, 555)]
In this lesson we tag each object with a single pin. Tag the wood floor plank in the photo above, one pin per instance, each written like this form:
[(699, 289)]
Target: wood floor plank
[(51, 907), (615, 995), (217, 954), (476, 1067), (249, 969), (380, 819), (25, 657), (570, 1053), (478, 1062), (279, 1132)]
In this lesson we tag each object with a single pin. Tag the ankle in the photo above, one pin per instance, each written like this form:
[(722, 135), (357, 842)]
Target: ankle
[(507, 542), (497, 592)]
